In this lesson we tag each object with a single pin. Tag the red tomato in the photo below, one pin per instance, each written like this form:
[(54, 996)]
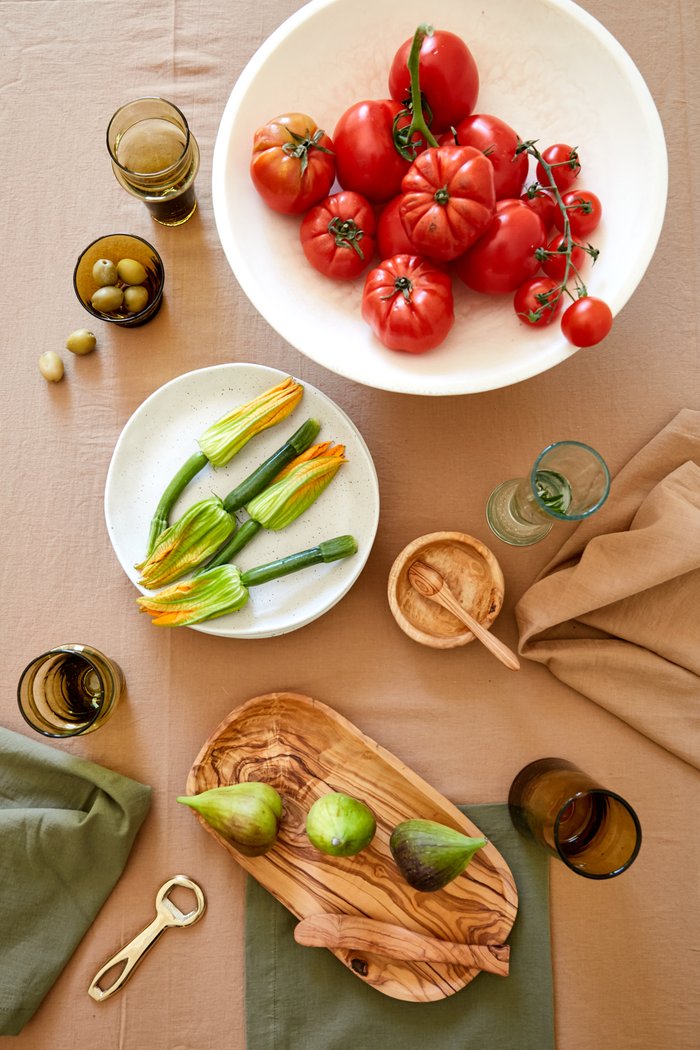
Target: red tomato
[(408, 304), (584, 211), (498, 141), (586, 321), (537, 302), (543, 203), (392, 239), (448, 200), (555, 265), (565, 165), (367, 160), (338, 235), (293, 166), (449, 79), (504, 256)]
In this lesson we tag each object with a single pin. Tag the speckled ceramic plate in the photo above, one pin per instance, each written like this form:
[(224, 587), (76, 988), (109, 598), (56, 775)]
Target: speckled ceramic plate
[(162, 433)]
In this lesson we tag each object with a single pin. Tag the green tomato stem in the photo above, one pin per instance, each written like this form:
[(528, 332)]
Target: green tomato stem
[(404, 136)]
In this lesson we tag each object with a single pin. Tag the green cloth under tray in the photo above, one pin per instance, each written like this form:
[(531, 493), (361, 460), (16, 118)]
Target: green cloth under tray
[(301, 998), (67, 826)]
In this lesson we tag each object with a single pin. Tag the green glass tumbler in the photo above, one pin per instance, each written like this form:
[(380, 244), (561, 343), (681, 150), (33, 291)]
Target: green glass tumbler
[(569, 481)]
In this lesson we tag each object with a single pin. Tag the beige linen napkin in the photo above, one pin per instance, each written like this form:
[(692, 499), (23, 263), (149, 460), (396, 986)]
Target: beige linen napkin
[(616, 613)]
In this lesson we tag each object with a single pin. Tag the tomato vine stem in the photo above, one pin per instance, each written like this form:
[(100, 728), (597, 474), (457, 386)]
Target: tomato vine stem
[(568, 243), (403, 137)]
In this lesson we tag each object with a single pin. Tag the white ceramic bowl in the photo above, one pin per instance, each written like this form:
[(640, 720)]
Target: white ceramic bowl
[(547, 68)]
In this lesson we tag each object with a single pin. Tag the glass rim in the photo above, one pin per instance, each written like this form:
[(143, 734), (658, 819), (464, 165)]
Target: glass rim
[(124, 322), (65, 649), (635, 820), (161, 171), (586, 513)]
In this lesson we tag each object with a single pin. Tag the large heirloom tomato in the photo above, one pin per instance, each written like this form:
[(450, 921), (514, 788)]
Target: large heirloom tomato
[(338, 235), (293, 166), (367, 160), (498, 141), (449, 79), (408, 304), (504, 256), (448, 200)]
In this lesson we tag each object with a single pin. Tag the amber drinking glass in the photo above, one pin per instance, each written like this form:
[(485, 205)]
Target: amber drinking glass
[(70, 690), (593, 830), (155, 157)]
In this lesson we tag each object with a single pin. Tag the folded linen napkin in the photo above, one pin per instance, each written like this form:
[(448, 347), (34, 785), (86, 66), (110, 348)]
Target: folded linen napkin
[(66, 829), (301, 998), (615, 613)]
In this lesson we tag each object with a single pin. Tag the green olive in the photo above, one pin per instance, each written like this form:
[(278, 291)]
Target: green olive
[(51, 366), (81, 342), (130, 271), (104, 273), (135, 298), (107, 299)]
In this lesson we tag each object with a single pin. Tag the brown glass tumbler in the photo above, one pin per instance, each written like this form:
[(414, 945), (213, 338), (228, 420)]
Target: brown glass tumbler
[(593, 830)]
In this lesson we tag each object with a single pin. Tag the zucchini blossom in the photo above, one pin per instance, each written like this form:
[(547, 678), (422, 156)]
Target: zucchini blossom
[(223, 439), (200, 531), (293, 491), (224, 589)]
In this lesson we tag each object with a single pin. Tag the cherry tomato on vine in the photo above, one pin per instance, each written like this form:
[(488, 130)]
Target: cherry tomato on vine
[(367, 160), (448, 200), (537, 302), (504, 256), (555, 265), (498, 141), (587, 321), (448, 76), (543, 203), (293, 165), (392, 238), (584, 211), (565, 164), (337, 236), (408, 304)]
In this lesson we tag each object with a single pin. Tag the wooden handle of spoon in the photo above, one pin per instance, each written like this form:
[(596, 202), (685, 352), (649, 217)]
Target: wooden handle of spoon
[(358, 933), (428, 582)]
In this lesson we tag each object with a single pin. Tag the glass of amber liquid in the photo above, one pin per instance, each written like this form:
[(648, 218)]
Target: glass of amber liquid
[(155, 157), (70, 690), (593, 830)]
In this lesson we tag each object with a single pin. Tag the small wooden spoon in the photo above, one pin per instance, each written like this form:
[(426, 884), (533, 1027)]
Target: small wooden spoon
[(429, 582)]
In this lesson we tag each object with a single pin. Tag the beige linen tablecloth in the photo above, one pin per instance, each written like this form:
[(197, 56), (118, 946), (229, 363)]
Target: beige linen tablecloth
[(624, 952)]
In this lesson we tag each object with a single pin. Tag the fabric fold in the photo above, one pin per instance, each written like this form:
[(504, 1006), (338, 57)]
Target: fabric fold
[(67, 827), (614, 615)]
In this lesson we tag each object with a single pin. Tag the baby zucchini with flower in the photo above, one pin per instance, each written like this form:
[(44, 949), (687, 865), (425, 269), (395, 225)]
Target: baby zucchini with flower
[(223, 439), (293, 491), (224, 589), (206, 525)]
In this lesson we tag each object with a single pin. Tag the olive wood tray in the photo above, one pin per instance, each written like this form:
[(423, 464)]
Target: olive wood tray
[(305, 749)]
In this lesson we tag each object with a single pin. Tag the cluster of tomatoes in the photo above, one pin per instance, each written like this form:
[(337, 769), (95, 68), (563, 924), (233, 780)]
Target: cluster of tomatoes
[(435, 191)]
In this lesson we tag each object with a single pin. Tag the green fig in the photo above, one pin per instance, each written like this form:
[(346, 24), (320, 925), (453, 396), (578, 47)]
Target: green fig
[(340, 825), (246, 815), (429, 855)]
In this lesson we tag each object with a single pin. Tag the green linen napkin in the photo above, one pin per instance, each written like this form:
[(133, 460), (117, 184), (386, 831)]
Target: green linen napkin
[(66, 829), (301, 998)]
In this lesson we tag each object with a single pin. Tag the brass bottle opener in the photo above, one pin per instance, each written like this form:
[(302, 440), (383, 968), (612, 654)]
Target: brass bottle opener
[(167, 915)]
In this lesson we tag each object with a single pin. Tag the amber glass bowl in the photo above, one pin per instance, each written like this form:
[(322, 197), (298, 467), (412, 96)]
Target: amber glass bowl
[(116, 246)]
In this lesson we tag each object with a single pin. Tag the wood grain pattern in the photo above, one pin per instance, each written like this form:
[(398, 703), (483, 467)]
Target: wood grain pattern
[(306, 749)]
